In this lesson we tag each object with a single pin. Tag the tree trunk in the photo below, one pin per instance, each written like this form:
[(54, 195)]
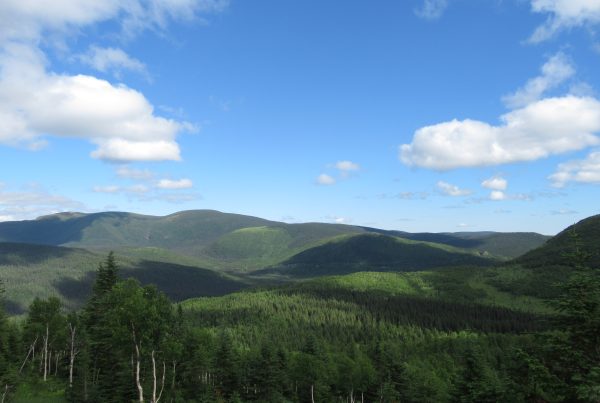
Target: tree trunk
[(137, 366), (72, 329), (45, 355), (56, 357), (173, 377), (5, 393), (312, 393), (153, 378), (31, 349), (162, 385)]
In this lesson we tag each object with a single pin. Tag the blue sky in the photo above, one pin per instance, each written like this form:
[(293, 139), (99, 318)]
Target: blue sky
[(424, 115)]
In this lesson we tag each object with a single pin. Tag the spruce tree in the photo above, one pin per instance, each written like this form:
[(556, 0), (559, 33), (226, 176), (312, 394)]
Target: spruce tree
[(579, 320)]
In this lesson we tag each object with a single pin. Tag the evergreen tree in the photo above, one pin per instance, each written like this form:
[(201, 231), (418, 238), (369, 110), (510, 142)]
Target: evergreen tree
[(576, 350), (100, 355)]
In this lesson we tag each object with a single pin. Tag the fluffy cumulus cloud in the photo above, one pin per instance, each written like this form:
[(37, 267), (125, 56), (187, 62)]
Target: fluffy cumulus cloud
[(495, 183), (36, 103), (541, 128), (325, 179), (582, 171), (564, 14), (452, 190), (432, 9)]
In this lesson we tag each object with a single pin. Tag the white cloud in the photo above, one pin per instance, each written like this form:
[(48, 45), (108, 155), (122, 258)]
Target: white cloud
[(582, 171), (36, 103), (106, 189), (174, 184), (119, 120), (564, 14), (554, 72), (126, 172), (495, 183), (543, 128), (452, 190), (347, 166), (138, 188), (432, 9), (33, 20), (33, 201), (497, 195), (325, 179), (564, 211), (113, 60)]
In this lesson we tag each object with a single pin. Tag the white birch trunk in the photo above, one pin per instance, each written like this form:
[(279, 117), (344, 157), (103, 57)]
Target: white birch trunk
[(45, 355), (5, 393), (31, 348), (137, 366), (162, 385), (72, 330), (153, 378)]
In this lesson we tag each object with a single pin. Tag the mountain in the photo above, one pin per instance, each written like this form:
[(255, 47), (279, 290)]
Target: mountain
[(499, 244), (554, 250), (375, 252), (186, 231), (226, 241), (30, 271)]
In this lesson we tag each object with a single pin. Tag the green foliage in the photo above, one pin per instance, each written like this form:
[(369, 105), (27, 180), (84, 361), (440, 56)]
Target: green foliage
[(373, 252), (555, 253), (457, 334), (44, 271)]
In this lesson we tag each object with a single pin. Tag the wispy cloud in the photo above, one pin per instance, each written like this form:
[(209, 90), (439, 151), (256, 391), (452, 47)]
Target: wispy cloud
[(495, 183), (553, 73), (562, 15), (33, 201), (431, 9), (175, 184), (452, 190), (326, 180), (581, 171), (127, 172), (112, 60)]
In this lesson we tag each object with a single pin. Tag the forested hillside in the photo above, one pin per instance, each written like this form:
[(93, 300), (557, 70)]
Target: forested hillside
[(480, 329), (363, 337), (230, 242), (31, 271)]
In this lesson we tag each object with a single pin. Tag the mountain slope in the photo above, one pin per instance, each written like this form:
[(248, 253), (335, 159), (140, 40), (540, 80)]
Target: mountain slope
[(30, 271), (374, 252), (184, 231), (553, 251), (499, 244)]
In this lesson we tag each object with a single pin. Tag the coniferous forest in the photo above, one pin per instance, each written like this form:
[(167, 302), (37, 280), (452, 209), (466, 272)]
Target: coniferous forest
[(332, 339)]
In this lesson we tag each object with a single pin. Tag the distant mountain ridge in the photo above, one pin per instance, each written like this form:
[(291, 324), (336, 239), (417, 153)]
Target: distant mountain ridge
[(223, 236), (206, 252)]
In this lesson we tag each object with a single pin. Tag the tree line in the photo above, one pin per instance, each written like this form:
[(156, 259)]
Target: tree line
[(129, 343)]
